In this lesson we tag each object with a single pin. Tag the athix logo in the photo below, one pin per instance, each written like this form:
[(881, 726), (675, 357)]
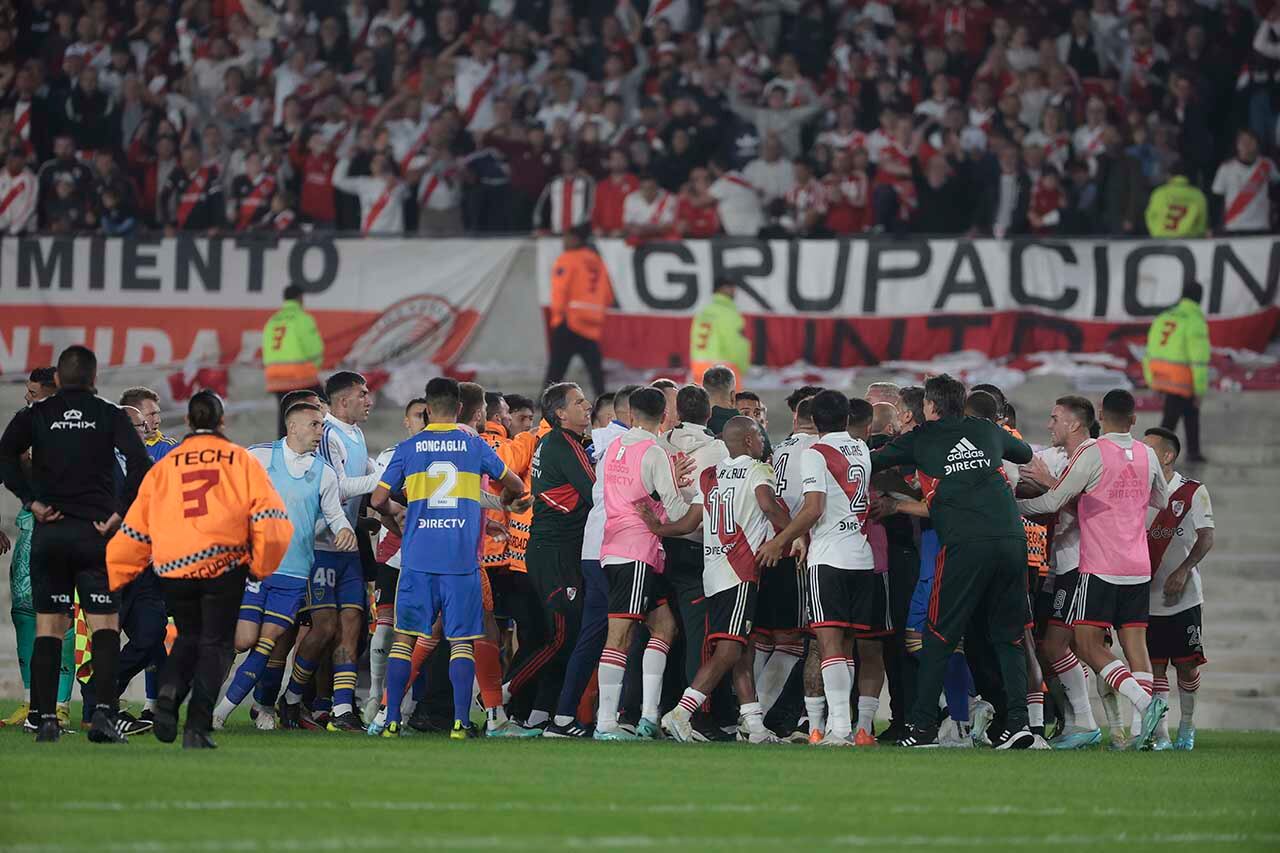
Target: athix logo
[(73, 419), (965, 456)]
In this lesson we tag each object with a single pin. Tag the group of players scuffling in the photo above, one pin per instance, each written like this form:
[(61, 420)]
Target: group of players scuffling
[(549, 568)]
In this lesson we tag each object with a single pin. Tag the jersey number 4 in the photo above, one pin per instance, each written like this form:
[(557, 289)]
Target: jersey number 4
[(720, 505), (196, 486)]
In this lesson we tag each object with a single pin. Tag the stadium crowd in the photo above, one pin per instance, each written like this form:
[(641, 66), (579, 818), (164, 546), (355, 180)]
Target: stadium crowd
[(650, 119)]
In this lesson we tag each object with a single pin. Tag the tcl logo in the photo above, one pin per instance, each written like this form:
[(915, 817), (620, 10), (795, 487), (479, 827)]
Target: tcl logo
[(99, 598)]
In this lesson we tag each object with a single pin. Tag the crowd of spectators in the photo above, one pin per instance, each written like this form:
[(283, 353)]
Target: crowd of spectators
[(650, 120)]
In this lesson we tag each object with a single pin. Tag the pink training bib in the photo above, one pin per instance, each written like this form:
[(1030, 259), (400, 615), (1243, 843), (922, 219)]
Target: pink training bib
[(1113, 516), (625, 533)]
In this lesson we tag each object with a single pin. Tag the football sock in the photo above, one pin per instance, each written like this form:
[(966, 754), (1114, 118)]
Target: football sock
[(422, 650), (246, 677), (613, 666), (867, 708), (1071, 676), (462, 672), (764, 650), (957, 685), (419, 691), (149, 685), (776, 671), (24, 628), (753, 715), (45, 652), (1035, 710), (1160, 690), (1110, 706), (1118, 677), (837, 684), (106, 662), (489, 672), (399, 663), (1187, 697), (267, 690), (652, 666), (303, 669), (344, 688), (690, 701), (1144, 680), (1060, 701), (537, 718), (67, 669), (379, 647), (815, 708)]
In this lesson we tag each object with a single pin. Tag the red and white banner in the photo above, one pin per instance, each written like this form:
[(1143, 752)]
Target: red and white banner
[(844, 303), (188, 301)]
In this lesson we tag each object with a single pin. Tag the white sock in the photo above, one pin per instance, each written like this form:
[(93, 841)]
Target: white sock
[(1071, 675), (1110, 706), (149, 705), (690, 701), (774, 676), (753, 715), (1122, 681), (537, 718), (1187, 698), (853, 673), (613, 666), (815, 708), (340, 709), (1035, 709), (379, 648), (224, 708), (506, 693), (1145, 681), (867, 708), (497, 717), (652, 666), (1160, 690), (762, 655), (837, 685)]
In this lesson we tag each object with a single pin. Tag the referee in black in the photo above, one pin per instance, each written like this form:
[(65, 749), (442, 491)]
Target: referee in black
[(73, 437)]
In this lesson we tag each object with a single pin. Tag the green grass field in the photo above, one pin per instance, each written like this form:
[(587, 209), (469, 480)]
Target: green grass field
[(309, 791)]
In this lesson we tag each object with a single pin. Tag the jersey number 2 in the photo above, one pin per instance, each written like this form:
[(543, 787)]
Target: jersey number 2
[(196, 486), (447, 474)]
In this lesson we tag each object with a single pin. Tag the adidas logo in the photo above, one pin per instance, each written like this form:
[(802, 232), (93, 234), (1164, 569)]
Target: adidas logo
[(965, 456)]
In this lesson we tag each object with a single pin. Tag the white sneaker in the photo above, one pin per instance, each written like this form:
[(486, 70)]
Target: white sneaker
[(833, 739), (680, 728), (1039, 743), (765, 736), (371, 707), (950, 737), (218, 722), (266, 721), (982, 715)]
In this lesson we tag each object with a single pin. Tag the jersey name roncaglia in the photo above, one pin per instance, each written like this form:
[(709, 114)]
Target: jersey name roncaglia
[(733, 525), (439, 470)]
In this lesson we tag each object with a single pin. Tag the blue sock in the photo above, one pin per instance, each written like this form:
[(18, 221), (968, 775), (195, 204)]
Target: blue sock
[(149, 682), (420, 683), (399, 664), (303, 669), (344, 687), (462, 674), (247, 675), (267, 690), (956, 688)]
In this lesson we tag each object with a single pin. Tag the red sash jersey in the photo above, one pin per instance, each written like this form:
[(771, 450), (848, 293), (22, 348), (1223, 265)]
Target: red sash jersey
[(253, 200), (194, 201), (1046, 200), (697, 220), (606, 214)]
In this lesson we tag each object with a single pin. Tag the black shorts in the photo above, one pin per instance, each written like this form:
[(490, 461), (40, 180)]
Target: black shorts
[(779, 606), (1100, 604), (730, 613), (555, 574), (881, 611), (384, 586), (68, 557), (1056, 602), (1176, 639), (635, 589), (840, 598)]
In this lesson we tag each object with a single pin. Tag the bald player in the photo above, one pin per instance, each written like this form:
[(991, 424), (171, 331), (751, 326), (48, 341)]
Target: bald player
[(736, 507)]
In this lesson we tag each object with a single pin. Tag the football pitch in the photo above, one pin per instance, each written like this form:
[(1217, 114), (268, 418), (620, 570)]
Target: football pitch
[(310, 791)]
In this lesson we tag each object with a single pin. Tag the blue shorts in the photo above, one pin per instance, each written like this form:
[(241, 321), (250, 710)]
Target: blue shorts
[(337, 580), (928, 565), (421, 597), (276, 600)]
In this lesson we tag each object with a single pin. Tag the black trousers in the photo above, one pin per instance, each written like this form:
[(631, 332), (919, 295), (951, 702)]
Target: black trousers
[(205, 612), (565, 344), (144, 621), (904, 572), (1183, 408), (555, 575)]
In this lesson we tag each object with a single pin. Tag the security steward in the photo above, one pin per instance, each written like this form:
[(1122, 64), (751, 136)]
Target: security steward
[(1177, 364), (74, 437), (205, 517), (581, 295), (292, 351)]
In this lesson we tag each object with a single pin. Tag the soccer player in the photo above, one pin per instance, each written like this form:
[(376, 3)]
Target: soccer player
[(71, 490), (1179, 537), (387, 556), (781, 616), (336, 593), (438, 471), (984, 564), (269, 608), (1070, 422), (147, 402), (206, 519), (737, 510), (1114, 480), (836, 473), (634, 469), (562, 478)]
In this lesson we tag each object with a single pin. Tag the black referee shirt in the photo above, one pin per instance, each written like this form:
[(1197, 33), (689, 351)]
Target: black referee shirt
[(73, 437)]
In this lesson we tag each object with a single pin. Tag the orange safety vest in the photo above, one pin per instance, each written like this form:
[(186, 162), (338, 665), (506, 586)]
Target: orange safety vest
[(204, 510), (581, 293), (520, 525), (1037, 534), (517, 454)]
